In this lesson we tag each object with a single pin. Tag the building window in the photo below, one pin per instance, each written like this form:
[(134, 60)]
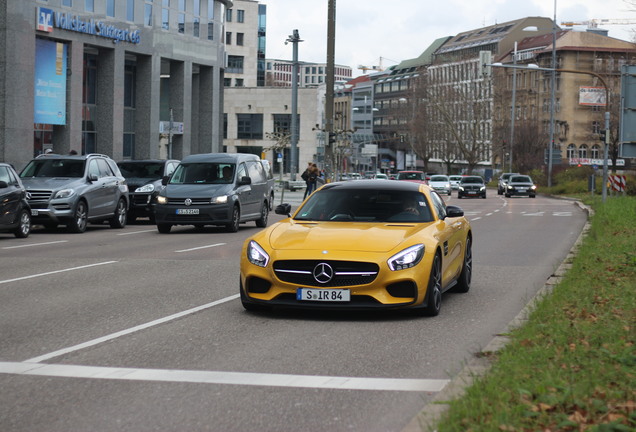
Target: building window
[(130, 10), (181, 22), (239, 38), (234, 64), (282, 123), (68, 3), (89, 5), (228, 15), (239, 82), (165, 19), (228, 38), (596, 127), (249, 126), (197, 18), (571, 151), (110, 8), (227, 82), (148, 14), (596, 151), (583, 151), (240, 16)]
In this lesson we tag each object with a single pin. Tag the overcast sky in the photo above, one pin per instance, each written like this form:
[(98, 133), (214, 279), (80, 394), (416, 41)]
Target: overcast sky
[(396, 30)]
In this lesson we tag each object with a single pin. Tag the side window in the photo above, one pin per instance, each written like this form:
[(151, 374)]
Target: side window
[(93, 168), (438, 203), (104, 169), (242, 171), (256, 172), (171, 168), (4, 175)]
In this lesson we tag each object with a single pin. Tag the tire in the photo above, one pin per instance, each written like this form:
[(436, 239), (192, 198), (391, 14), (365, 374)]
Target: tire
[(507, 195), (434, 289), (262, 221), (80, 218), (233, 226), (459, 196), (120, 217), (484, 196), (271, 202), (499, 192), (24, 228), (533, 196), (164, 228), (465, 277)]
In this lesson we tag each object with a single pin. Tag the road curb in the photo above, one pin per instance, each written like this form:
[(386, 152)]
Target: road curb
[(427, 419)]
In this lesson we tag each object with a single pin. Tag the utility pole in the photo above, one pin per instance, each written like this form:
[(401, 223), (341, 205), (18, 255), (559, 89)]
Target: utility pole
[(294, 38), (330, 81)]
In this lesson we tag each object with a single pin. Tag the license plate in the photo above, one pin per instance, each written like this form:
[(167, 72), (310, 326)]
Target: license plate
[(521, 189), (34, 212), (326, 295), (188, 211)]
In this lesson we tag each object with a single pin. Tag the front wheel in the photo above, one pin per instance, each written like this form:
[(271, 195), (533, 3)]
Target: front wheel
[(233, 226), (434, 289), (164, 228), (80, 218), (120, 217), (23, 230), (465, 277)]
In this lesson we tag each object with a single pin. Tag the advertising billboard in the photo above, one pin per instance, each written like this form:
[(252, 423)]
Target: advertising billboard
[(50, 82)]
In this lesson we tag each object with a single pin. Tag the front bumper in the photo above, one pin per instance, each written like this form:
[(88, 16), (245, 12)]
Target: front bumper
[(209, 214)]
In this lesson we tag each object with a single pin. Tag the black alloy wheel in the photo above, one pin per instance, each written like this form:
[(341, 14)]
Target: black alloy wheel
[(262, 222), (233, 226), (434, 289), (24, 228), (79, 222), (120, 217), (465, 277)]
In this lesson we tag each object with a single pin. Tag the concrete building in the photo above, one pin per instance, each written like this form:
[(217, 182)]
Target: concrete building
[(245, 38), (102, 76), (279, 73)]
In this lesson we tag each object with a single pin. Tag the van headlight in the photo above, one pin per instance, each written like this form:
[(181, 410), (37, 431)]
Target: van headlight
[(162, 200), (219, 200), (408, 258), (64, 193), (256, 254)]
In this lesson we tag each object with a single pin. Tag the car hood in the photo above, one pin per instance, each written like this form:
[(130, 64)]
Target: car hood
[(197, 190), (343, 236), (438, 183), (52, 183), (135, 182)]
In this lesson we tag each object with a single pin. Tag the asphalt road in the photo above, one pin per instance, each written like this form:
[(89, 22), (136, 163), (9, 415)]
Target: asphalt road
[(132, 330)]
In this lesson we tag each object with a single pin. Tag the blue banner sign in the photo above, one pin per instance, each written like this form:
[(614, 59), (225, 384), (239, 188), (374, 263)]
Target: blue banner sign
[(50, 82)]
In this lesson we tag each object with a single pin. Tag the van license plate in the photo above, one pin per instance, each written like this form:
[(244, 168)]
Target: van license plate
[(327, 295), (188, 211)]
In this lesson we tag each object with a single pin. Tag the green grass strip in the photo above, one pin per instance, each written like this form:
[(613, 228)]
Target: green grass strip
[(572, 367)]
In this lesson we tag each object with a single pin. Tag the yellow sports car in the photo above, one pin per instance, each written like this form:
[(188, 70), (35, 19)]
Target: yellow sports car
[(360, 245)]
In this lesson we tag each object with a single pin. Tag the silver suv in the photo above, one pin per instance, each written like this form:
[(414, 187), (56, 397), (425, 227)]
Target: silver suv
[(75, 190)]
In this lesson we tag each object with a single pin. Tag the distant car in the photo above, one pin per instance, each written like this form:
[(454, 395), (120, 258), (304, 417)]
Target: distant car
[(380, 176), (355, 176), (521, 185), (360, 245), (223, 189), (15, 212), (503, 181), (74, 190), (471, 186), (440, 183), (144, 183), (412, 176), (454, 181)]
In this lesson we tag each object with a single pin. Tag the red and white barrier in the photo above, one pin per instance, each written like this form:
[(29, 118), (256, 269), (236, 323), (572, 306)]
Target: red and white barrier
[(617, 182)]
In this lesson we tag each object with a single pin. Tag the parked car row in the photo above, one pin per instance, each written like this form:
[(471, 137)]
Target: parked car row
[(75, 190)]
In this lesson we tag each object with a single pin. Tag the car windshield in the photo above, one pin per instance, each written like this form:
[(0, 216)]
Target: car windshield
[(520, 179), (206, 173), (439, 179), (410, 176), (54, 168), (472, 180), (455, 178), (362, 205), (151, 170)]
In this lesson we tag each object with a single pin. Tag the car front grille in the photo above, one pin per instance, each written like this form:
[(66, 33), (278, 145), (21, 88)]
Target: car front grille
[(195, 201), (40, 195), (472, 188), (345, 273)]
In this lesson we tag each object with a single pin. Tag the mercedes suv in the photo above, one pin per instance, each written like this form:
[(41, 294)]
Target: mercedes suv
[(75, 190)]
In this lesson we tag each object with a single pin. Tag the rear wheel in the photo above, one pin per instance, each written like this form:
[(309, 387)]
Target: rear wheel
[(434, 289), (80, 218), (23, 230), (465, 277), (233, 226), (119, 218), (262, 222)]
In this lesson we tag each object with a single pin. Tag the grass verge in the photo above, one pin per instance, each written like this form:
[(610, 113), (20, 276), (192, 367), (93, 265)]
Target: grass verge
[(572, 366)]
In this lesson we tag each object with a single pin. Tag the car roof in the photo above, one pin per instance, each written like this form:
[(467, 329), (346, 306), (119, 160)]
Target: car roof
[(220, 157), (76, 157), (147, 161)]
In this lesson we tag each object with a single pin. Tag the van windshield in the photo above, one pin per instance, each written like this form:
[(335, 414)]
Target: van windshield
[(206, 173)]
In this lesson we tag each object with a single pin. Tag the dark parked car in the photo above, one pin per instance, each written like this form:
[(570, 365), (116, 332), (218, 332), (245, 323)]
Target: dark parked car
[(223, 189), (74, 190), (144, 183), (521, 185), (15, 212), (471, 186), (503, 181)]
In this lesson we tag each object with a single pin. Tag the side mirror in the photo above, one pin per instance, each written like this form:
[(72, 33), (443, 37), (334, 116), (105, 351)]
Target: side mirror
[(454, 211), (92, 178), (283, 209), (245, 180), (164, 180), (3, 184)]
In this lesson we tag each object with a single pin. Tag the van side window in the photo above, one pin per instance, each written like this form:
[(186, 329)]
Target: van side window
[(256, 172), (242, 171)]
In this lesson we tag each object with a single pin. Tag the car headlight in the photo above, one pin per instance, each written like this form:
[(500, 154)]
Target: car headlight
[(162, 200), (219, 200), (533, 187), (460, 188), (408, 258), (64, 193), (146, 188), (483, 188), (510, 187), (256, 254)]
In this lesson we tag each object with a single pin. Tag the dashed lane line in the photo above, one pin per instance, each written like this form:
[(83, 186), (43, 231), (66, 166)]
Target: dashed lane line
[(35, 244), (56, 271)]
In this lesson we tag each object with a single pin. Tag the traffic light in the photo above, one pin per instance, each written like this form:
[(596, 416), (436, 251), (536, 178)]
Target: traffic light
[(332, 138), (602, 135)]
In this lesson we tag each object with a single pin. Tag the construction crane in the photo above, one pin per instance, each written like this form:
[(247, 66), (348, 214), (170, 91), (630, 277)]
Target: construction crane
[(377, 67), (594, 23)]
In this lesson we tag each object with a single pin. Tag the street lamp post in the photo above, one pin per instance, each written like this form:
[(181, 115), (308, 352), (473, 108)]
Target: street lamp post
[(294, 38)]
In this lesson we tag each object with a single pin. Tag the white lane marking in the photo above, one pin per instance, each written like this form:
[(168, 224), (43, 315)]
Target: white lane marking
[(136, 232), (200, 247), (477, 218), (35, 244), (214, 377), (56, 271), (128, 331), (565, 213)]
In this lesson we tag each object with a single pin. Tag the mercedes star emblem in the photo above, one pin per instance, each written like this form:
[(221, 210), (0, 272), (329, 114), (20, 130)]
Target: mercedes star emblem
[(323, 273)]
